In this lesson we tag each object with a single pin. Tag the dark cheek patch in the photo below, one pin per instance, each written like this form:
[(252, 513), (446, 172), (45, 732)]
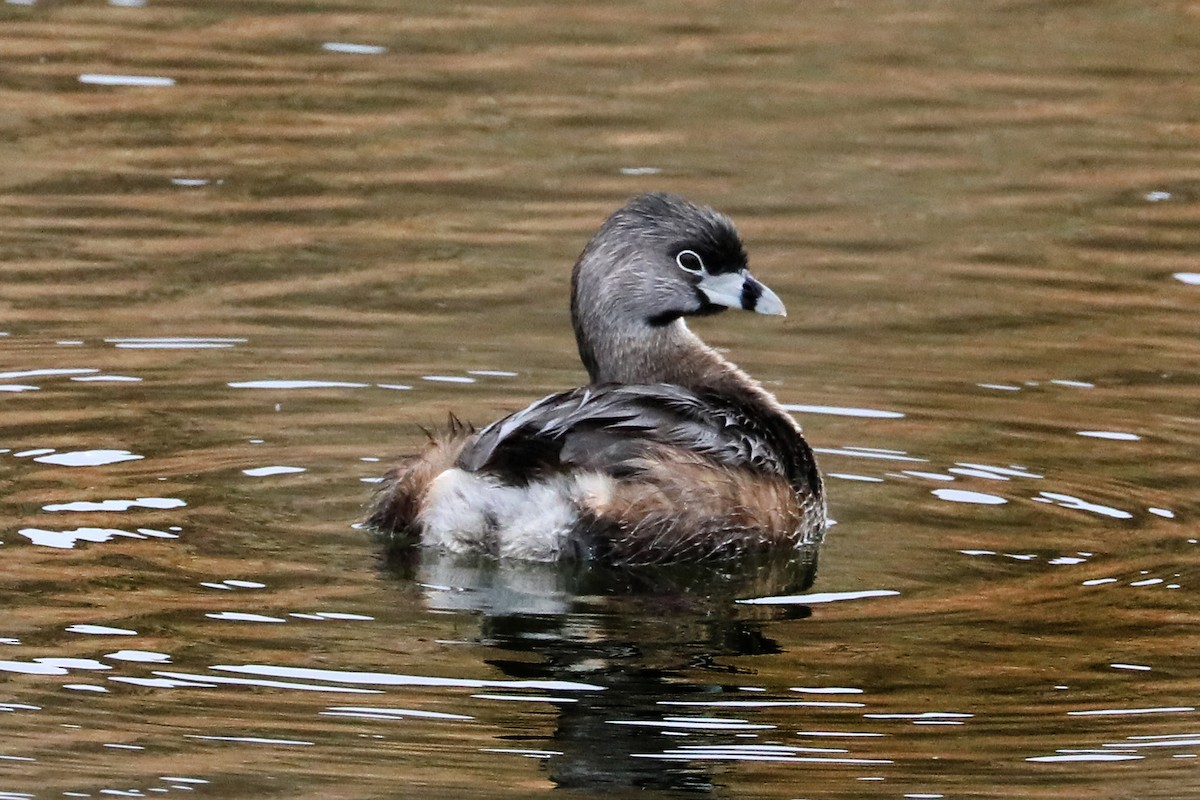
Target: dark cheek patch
[(704, 308), (663, 318), (751, 291)]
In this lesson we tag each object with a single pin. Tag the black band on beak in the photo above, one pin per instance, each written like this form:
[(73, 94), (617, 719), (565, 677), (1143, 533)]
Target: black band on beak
[(752, 290)]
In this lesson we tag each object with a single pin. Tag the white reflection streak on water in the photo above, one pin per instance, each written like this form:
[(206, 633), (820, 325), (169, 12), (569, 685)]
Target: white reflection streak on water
[(933, 476), (1116, 436), (522, 752), (694, 723), (762, 703), (868, 453), (176, 343), (354, 49), (67, 539), (735, 753), (100, 630), (447, 379), (843, 411), (849, 476), (117, 505), (1194, 742), (971, 472), (1126, 750), (820, 597), (263, 472), (1075, 503), (162, 683), (296, 384), (1120, 712), (88, 458), (250, 740), (1070, 757), (36, 373), (525, 698), (270, 684), (966, 496), (74, 663), (369, 712), (1014, 472), (142, 656), (102, 79), (923, 715), (241, 616), (389, 679), (31, 668)]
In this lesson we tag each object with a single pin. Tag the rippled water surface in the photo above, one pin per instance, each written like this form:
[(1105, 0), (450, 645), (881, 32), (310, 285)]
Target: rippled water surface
[(248, 249)]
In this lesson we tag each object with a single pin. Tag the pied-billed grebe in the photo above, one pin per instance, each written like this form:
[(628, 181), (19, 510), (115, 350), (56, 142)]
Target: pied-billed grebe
[(671, 453)]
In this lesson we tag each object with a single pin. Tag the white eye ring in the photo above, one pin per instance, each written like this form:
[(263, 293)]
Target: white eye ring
[(695, 259)]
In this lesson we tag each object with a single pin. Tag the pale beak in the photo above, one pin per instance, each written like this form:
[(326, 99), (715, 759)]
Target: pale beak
[(741, 290)]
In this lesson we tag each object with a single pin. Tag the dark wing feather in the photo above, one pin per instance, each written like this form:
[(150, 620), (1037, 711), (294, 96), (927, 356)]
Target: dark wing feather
[(609, 428)]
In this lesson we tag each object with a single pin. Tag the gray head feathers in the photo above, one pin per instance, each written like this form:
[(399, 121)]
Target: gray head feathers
[(653, 262)]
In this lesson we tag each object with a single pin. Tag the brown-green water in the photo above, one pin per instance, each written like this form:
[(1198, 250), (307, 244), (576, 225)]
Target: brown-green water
[(984, 219)]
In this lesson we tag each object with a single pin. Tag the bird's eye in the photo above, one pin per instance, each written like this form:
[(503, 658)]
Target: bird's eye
[(690, 261)]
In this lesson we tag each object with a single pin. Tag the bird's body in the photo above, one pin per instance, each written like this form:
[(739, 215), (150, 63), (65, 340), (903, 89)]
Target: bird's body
[(671, 453)]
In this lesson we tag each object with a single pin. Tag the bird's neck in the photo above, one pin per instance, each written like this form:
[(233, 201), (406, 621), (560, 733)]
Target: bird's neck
[(642, 354)]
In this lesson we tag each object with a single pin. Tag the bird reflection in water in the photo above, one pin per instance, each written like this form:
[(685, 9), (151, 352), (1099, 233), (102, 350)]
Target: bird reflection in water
[(646, 634)]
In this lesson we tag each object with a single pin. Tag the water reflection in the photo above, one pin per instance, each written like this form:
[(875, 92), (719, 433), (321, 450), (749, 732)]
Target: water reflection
[(101, 79), (176, 343), (505, 587), (556, 624), (68, 539)]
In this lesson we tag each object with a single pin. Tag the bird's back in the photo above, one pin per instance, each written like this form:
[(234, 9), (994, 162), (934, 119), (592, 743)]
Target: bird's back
[(623, 473)]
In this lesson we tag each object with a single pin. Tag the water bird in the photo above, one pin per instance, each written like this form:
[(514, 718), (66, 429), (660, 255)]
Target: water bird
[(670, 453)]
